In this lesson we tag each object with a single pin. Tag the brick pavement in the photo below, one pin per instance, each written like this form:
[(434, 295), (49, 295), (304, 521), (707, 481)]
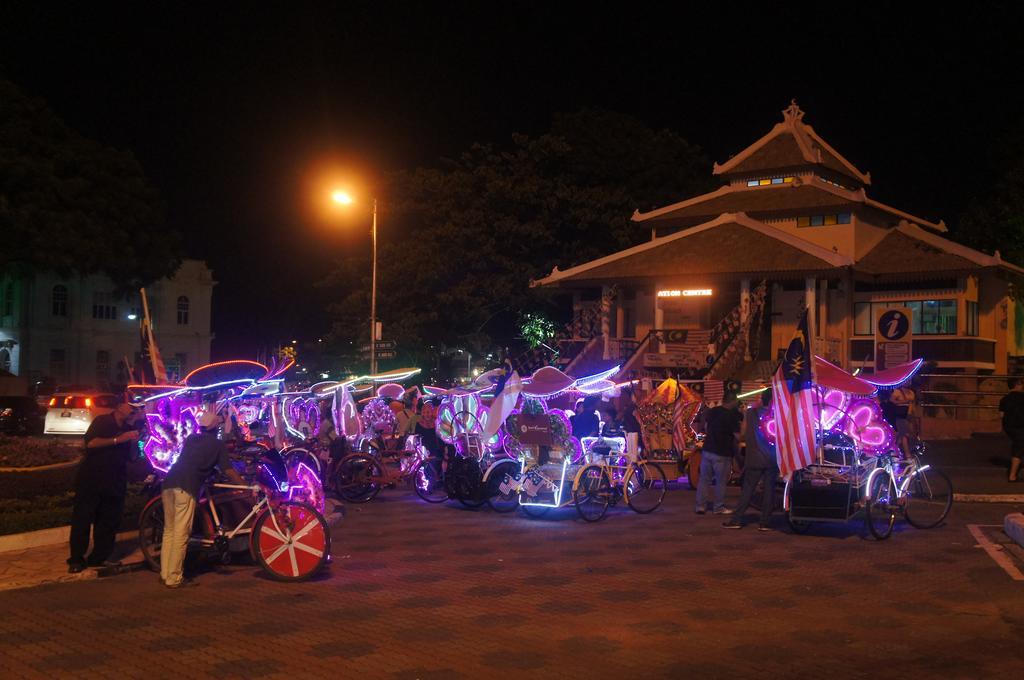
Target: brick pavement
[(419, 591)]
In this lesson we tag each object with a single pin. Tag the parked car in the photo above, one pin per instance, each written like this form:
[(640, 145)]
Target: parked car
[(21, 416), (73, 413)]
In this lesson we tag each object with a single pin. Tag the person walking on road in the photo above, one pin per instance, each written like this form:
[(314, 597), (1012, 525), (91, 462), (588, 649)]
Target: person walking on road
[(720, 441), (1012, 408), (100, 487), (759, 465), (201, 454)]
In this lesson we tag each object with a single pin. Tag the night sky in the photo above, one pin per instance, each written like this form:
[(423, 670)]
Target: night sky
[(231, 107)]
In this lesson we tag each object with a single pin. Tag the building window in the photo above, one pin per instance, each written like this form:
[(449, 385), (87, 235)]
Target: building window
[(177, 366), (929, 317), (103, 306), (5, 359), (182, 311), (766, 181), (102, 366), (59, 301), (972, 319), (8, 301), (823, 220), (57, 365)]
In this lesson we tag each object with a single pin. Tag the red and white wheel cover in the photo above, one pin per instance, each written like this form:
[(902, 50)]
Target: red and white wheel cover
[(298, 548)]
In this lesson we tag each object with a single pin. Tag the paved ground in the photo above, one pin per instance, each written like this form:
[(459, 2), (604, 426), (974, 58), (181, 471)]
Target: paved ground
[(418, 591)]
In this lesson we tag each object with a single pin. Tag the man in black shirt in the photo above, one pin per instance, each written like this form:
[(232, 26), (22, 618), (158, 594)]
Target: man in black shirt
[(1012, 408), (720, 443), (202, 453), (100, 487)]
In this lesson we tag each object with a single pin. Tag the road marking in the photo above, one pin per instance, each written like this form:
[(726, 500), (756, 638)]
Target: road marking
[(995, 552)]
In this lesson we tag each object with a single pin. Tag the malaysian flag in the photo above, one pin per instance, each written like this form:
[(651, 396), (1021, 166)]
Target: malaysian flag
[(793, 397)]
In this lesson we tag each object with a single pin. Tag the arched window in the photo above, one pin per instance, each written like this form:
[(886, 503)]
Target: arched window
[(182, 311), (59, 301), (8, 300)]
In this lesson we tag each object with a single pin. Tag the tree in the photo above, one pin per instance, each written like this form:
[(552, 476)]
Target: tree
[(996, 221), (466, 238), (69, 204)]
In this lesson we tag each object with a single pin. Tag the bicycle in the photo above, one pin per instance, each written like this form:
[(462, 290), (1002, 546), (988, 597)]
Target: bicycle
[(290, 541), (921, 493), (360, 476), (641, 483)]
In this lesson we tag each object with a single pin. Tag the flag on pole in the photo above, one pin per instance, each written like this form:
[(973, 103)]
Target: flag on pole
[(793, 400), (150, 352)]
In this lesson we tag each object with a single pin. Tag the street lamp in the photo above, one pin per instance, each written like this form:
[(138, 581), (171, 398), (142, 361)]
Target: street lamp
[(343, 198)]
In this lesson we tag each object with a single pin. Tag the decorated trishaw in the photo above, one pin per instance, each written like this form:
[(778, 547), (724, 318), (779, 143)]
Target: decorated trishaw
[(548, 467), (858, 467), (274, 516)]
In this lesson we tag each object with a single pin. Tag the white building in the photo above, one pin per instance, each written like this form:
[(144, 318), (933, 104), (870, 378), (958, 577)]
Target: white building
[(76, 330)]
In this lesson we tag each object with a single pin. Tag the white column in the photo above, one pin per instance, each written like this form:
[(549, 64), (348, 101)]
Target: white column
[(606, 331), (745, 315), (620, 319), (823, 308), (810, 299), (659, 323)]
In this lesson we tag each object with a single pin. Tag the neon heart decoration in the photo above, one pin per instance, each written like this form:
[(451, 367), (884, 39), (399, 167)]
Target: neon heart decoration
[(833, 406), (867, 428)]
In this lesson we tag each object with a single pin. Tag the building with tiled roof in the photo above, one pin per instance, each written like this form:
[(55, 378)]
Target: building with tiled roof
[(792, 225)]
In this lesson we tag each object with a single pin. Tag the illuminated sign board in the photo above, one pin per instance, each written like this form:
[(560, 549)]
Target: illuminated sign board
[(693, 292)]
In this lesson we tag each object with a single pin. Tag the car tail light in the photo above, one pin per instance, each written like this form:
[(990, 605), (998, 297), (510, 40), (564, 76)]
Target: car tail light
[(88, 402), (53, 401)]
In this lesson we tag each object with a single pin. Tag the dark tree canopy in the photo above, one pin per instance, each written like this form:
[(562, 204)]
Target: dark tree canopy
[(69, 204), (463, 240)]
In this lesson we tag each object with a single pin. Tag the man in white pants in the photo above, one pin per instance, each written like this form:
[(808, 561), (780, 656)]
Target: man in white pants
[(202, 453)]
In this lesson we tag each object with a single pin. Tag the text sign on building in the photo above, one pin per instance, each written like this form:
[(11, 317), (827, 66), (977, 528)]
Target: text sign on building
[(894, 337), (691, 292)]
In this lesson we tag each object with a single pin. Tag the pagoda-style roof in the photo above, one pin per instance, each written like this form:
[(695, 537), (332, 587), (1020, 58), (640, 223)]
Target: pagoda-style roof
[(908, 249), (791, 144), (797, 197), (732, 243)]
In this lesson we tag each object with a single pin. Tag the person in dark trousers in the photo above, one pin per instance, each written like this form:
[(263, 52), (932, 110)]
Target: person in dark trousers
[(721, 428), (1012, 408), (100, 487), (202, 453), (759, 466)]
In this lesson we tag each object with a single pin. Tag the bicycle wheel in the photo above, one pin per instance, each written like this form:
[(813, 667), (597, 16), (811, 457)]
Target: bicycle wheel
[(929, 498), (468, 494), (503, 476), (151, 532), (429, 481), (294, 456), (592, 493), (358, 478), (291, 541), (880, 511), (644, 487), (535, 511)]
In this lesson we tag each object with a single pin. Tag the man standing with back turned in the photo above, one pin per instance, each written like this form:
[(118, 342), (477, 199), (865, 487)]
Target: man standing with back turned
[(720, 443), (201, 454)]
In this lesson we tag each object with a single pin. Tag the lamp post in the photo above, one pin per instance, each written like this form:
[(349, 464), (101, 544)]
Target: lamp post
[(342, 198)]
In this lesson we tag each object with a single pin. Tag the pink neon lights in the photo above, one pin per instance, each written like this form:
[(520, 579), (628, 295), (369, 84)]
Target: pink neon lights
[(859, 418)]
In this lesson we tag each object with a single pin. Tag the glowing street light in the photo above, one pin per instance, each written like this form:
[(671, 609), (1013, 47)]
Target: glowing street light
[(343, 198)]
